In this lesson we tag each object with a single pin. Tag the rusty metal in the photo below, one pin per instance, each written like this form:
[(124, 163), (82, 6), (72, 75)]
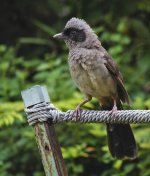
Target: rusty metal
[(45, 135)]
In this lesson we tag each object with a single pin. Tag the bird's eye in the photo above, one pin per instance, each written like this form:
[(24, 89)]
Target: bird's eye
[(73, 33)]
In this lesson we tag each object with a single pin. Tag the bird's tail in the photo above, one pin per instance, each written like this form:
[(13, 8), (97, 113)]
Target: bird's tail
[(121, 141)]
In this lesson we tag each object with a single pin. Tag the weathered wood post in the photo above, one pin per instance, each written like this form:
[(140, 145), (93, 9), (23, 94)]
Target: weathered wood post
[(45, 134)]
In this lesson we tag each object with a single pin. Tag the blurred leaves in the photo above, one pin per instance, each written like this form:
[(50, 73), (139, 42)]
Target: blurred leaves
[(10, 112), (36, 58), (44, 27)]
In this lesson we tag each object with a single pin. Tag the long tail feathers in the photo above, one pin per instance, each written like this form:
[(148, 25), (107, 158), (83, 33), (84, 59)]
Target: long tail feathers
[(121, 141)]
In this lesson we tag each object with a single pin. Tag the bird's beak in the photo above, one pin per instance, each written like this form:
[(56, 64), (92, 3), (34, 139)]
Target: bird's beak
[(59, 36)]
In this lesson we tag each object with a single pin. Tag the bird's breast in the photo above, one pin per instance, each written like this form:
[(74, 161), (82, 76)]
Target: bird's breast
[(93, 79), (80, 77)]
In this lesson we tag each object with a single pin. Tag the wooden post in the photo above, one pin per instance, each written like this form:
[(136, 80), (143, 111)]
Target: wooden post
[(45, 134)]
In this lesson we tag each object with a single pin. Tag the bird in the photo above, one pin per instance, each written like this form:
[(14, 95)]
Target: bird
[(96, 74)]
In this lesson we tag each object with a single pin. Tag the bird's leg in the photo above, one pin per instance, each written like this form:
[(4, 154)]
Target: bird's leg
[(77, 112), (114, 109)]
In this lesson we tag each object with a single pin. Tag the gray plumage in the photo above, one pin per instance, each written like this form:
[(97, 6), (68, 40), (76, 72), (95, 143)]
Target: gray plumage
[(96, 75)]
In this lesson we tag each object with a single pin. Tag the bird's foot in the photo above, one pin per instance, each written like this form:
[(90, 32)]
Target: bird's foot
[(113, 111), (77, 112)]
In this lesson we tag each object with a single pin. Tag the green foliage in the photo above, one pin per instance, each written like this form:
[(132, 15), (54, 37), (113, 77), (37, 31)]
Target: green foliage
[(10, 112), (37, 58)]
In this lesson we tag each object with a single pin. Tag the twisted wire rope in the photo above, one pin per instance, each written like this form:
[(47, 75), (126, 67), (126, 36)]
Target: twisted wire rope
[(45, 111)]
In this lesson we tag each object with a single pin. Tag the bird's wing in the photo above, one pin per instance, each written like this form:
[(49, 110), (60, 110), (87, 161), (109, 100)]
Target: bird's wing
[(114, 71)]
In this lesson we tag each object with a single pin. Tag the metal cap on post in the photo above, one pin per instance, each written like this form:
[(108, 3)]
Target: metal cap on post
[(45, 134), (35, 95)]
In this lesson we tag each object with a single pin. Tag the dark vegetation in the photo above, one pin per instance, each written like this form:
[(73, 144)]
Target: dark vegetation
[(29, 56)]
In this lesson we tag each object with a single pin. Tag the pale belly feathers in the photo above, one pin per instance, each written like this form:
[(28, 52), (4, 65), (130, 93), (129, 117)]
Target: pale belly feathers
[(95, 81)]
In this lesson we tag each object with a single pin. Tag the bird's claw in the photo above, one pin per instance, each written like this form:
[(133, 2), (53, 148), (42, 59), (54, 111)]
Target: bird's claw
[(77, 113), (113, 112)]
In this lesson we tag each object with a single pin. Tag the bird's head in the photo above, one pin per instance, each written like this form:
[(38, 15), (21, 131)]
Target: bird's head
[(77, 33)]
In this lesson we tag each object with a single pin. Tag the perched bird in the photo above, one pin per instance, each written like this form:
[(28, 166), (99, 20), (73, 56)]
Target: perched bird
[(96, 75)]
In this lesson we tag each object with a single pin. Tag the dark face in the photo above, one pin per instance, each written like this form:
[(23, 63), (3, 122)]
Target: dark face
[(74, 34)]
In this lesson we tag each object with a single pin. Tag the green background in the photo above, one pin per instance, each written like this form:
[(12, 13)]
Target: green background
[(29, 56)]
